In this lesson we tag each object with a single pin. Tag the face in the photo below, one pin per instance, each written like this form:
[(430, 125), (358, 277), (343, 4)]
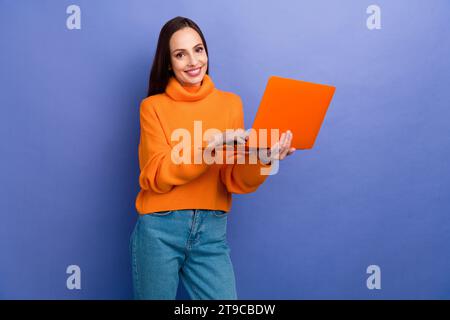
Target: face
[(188, 57)]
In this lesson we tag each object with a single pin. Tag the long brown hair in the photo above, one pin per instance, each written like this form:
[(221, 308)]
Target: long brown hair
[(160, 73)]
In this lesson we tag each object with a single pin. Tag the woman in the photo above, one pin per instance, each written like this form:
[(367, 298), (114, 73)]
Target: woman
[(183, 207)]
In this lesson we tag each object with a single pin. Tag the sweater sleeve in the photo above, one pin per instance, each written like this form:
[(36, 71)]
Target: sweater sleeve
[(245, 177), (158, 171)]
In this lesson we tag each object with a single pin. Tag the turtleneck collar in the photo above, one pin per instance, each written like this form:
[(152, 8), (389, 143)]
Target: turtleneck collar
[(179, 92)]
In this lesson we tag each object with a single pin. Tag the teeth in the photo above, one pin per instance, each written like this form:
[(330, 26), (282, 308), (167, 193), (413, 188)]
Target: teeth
[(193, 71)]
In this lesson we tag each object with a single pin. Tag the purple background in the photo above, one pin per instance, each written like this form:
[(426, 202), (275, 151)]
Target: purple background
[(374, 190)]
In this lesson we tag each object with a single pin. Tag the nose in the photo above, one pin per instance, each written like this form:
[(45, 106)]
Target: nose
[(192, 60)]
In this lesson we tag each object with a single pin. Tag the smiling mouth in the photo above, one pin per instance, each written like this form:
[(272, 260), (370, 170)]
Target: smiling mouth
[(194, 72), (193, 69)]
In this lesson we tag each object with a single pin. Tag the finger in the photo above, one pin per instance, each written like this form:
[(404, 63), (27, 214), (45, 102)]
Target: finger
[(240, 133), (283, 136), (287, 144), (286, 137), (289, 140), (275, 151), (283, 153), (283, 142), (241, 140)]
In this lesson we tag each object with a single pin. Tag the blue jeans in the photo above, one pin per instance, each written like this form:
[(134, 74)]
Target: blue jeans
[(189, 244)]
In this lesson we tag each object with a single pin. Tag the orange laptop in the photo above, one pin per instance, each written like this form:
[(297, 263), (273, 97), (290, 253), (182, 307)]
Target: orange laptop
[(295, 105)]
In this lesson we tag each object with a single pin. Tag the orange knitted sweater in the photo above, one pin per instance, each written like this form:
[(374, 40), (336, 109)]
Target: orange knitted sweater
[(165, 185)]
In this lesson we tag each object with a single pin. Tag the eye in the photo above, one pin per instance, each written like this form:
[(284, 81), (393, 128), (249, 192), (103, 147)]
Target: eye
[(199, 49), (178, 55)]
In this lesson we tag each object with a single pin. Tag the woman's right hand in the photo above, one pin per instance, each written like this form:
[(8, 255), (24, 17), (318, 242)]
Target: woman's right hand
[(236, 136)]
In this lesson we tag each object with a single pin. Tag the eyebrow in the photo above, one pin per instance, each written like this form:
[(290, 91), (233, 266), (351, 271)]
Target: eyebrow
[(198, 44)]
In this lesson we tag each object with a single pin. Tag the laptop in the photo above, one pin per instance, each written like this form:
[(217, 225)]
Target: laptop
[(289, 104)]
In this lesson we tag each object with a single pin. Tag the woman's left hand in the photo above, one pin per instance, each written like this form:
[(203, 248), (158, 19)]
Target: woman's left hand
[(282, 148), (279, 150)]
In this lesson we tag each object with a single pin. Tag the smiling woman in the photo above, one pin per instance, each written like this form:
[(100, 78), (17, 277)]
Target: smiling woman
[(183, 207)]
